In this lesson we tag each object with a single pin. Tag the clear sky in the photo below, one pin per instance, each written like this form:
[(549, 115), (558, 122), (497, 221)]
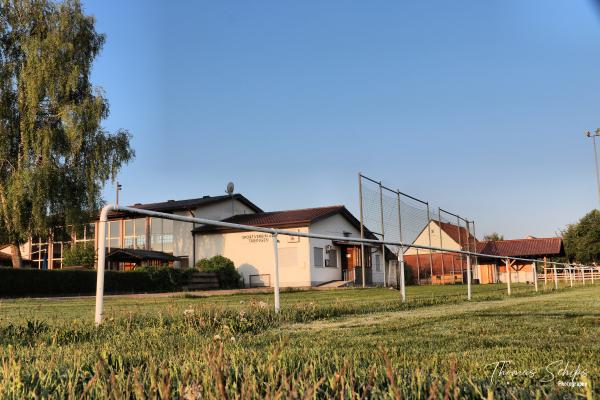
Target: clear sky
[(477, 106)]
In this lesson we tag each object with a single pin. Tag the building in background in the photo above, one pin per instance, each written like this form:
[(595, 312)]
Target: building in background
[(148, 240), (133, 240), (302, 261), (435, 267), (493, 270)]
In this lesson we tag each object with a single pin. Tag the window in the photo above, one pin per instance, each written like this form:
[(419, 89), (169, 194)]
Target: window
[(318, 256), (377, 263), (113, 235), (85, 233), (161, 235), (39, 253), (135, 233), (58, 251), (332, 258)]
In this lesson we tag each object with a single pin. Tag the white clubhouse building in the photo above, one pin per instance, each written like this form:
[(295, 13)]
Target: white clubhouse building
[(133, 240)]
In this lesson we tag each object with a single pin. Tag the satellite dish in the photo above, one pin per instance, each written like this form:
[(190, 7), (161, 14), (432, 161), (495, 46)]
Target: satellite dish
[(230, 188)]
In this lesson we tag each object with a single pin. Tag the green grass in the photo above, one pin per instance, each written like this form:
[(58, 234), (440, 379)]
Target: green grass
[(353, 343)]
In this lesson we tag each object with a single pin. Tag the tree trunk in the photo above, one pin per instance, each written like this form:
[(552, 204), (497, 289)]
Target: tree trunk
[(17, 260)]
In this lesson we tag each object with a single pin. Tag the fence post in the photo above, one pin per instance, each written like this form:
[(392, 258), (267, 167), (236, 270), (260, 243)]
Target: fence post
[(430, 251), (382, 234), (100, 268), (362, 230), (276, 272), (400, 249), (402, 283), (475, 250), (441, 241), (535, 277), (460, 246), (592, 271), (545, 277), (582, 274), (571, 275), (508, 277), (469, 277), (555, 277)]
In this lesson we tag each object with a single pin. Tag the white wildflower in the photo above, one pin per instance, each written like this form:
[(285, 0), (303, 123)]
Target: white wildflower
[(188, 312)]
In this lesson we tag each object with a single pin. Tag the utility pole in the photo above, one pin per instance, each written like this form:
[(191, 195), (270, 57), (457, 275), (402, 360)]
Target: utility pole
[(118, 189), (593, 136)]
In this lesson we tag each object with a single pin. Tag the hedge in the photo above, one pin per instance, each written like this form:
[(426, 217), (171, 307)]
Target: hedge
[(34, 282)]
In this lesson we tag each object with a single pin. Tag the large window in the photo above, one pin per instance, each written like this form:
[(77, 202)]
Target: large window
[(113, 235), (85, 233), (39, 253), (58, 251), (318, 256), (332, 258), (135, 233), (161, 238)]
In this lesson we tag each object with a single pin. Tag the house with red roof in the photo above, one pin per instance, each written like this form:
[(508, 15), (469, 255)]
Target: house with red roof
[(302, 261), (436, 267), (133, 240), (439, 267), (494, 270)]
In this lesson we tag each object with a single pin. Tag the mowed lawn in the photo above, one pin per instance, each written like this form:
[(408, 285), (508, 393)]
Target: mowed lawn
[(356, 343), (82, 308)]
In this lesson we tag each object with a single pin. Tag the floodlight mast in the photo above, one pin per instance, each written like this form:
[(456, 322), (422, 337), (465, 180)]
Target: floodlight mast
[(593, 136)]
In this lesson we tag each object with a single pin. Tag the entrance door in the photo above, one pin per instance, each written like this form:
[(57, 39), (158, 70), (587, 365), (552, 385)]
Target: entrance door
[(348, 263)]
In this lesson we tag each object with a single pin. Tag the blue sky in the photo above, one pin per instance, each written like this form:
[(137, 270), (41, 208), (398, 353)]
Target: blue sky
[(478, 107)]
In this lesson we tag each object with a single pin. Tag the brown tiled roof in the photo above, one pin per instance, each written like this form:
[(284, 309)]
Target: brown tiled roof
[(189, 204), (288, 219), (453, 231), (523, 247), (304, 216)]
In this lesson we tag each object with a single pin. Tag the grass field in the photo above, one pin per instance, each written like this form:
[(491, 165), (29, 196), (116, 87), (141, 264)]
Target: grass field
[(357, 343)]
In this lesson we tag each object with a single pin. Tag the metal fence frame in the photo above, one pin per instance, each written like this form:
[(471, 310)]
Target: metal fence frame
[(99, 307), (430, 217)]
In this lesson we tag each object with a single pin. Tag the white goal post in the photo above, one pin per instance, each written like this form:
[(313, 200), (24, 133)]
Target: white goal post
[(101, 259)]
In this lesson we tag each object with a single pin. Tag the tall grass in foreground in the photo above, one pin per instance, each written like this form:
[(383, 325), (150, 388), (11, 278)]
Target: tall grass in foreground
[(252, 353)]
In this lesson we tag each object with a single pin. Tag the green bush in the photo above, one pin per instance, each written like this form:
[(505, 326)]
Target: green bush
[(229, 277), (80, 254), (34, 282)]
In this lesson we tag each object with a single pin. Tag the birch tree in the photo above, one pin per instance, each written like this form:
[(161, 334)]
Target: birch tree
[(55, 156)]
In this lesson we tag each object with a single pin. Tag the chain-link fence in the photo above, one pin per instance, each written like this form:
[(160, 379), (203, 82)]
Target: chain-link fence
[(392, 215)]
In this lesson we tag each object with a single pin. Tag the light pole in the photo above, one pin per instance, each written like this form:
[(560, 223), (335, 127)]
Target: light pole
[(593, 136), (118, 189)]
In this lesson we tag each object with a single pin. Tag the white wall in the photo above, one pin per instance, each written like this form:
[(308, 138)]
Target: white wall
[(182, 231), (336, 225), (523, 276), (445, 241), (252, 254)]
